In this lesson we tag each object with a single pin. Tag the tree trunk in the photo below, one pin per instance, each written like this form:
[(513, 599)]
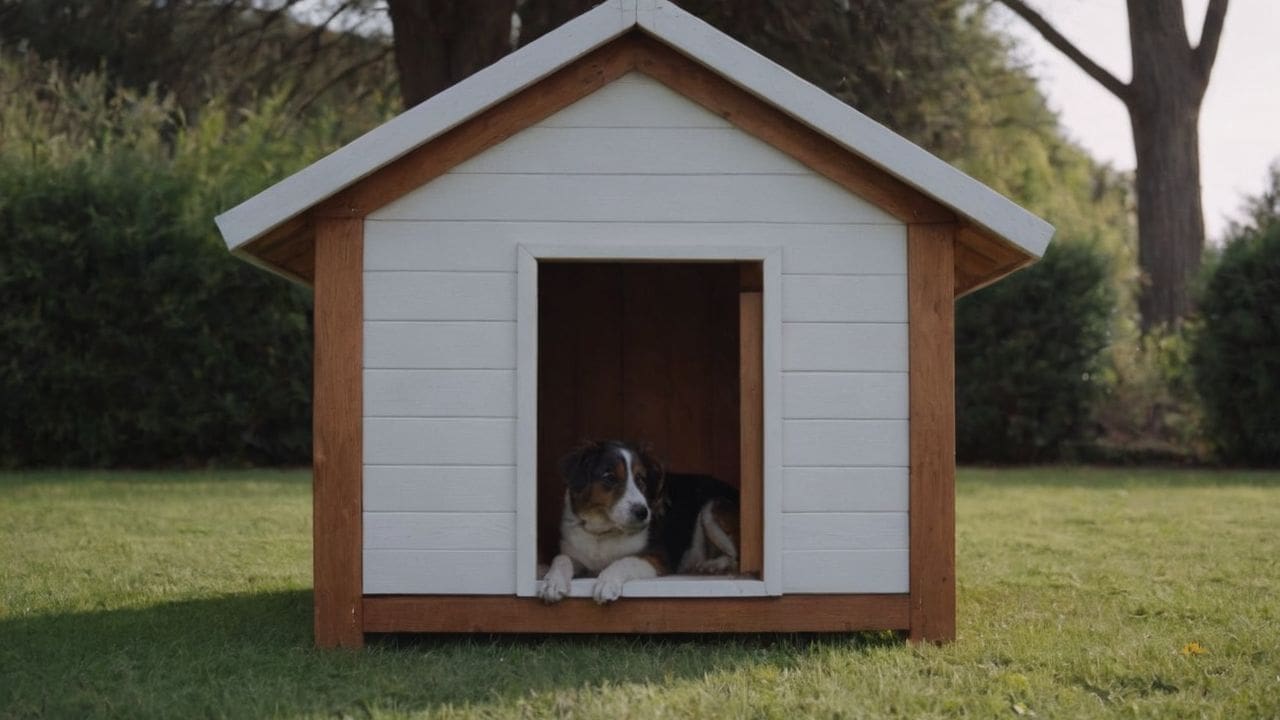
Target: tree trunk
[(439, 42), (1164, 111), (1163, 99), (1170, 217)]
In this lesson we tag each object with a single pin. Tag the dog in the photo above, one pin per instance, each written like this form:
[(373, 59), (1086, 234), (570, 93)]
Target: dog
[(625, 518)]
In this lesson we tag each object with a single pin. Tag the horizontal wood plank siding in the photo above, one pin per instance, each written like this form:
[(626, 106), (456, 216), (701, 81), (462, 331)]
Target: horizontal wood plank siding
[(635, 198), (449, 488), (634, 100), (844, 298), (451, 295), (844, 396), (845, 489), (823, 443), (847, 347), (639, 151), (634, 165), (490, 246), (441, 441), (439, 572), (434, 345), (440, 531), (844, 531), (440, 393), (845, 571)]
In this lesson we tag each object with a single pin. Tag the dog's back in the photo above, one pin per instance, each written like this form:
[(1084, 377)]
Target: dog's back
[(687, 499)]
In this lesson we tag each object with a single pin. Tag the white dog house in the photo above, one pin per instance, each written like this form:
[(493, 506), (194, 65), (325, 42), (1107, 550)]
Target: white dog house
[(634, 227)]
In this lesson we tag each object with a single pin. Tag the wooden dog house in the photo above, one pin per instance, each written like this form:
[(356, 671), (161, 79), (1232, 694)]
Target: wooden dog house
[(634, 226)]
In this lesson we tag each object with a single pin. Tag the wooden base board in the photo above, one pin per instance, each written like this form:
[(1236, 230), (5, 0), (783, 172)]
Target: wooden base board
[(505, 614)]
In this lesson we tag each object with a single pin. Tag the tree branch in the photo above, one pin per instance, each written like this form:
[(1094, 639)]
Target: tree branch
[(1207, 51), (1059, 41)]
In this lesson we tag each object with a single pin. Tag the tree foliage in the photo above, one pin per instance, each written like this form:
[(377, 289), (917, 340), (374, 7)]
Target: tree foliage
[(1237, 350), (194, 50)]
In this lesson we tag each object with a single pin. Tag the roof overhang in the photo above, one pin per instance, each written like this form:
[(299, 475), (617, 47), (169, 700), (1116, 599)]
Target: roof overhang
[(272, 229)]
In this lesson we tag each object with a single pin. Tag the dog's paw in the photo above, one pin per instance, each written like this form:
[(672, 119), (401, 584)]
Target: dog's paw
[(554, 588), (607, 588)]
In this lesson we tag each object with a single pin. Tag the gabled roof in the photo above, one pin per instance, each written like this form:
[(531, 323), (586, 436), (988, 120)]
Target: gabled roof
[(1003, 236)]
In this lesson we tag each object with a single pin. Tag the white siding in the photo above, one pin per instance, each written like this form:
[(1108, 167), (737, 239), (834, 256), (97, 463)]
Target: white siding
[(779, 198), (439, 531), (439, 572), (440, 296), (443, 441), (807, 248), (633, 165), (440, 393), (844, 489), (845, 571), (447, 488), (439, 345), (845, 396)]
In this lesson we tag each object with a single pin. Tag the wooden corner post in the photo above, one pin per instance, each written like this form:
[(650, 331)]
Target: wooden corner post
[(337, 462), (931, 342)]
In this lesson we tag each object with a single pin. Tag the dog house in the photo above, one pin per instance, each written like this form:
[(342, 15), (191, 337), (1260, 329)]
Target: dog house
[(633, 227)]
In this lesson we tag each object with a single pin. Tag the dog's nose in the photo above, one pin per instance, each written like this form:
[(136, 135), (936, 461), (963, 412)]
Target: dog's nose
[(639, 512)]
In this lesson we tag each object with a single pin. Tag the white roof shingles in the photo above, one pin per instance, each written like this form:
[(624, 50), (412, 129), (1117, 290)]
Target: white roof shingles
[(691, 36)]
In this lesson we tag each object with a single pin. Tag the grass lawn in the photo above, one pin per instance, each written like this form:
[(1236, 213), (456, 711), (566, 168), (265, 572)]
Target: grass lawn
[(1081, 593)]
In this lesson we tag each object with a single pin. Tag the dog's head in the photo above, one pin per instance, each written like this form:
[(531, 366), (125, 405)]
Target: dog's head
[(613, 486)]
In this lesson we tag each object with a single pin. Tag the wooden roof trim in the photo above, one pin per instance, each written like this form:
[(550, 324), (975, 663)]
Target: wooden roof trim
[(982, 259)]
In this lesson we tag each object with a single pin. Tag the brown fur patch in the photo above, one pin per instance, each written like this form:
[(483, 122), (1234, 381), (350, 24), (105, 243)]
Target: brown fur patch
[(596, 497)]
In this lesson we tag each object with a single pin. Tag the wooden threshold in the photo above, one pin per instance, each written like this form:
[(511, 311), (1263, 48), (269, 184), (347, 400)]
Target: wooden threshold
[(506, 614)]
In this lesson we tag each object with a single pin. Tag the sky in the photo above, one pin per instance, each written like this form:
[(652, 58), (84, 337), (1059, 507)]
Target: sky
[(1240, 119)]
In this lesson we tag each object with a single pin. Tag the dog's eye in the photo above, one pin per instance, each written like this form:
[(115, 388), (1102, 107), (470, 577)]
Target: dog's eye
[(609, 479)]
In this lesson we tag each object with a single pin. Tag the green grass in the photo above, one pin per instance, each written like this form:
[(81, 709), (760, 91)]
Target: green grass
[(187, 595)]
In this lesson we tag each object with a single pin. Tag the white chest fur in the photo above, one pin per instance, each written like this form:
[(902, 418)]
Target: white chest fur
[(596, 552)]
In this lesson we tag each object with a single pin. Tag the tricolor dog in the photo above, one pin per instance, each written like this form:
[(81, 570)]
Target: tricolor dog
[(626, 519)]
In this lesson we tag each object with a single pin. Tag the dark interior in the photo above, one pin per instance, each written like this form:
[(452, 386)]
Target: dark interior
[(640, 351)]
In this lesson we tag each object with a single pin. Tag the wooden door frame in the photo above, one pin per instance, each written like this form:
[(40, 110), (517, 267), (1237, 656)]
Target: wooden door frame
[(770, 505)]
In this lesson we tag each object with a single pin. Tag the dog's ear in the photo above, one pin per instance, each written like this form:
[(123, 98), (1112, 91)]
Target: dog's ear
[(657, 478), (575, 468)]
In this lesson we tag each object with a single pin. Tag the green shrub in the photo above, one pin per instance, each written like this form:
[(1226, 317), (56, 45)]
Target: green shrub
[(131, 337), (1237, 351), (1149, 410), (1028, 355), (128, 334)]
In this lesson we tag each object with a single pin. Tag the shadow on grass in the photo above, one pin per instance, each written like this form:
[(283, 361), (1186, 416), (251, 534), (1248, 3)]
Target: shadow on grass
[(1105, 478), (251, 655)]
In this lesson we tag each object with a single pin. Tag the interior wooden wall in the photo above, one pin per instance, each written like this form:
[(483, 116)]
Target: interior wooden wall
[(646, 352)]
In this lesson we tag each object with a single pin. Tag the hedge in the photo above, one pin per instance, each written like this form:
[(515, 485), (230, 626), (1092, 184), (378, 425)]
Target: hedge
[(1028, 354), (129, 336), (1236, 354)]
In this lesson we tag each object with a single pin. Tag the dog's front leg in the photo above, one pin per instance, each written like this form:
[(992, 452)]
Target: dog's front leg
[(609, 583), (555, 584)]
